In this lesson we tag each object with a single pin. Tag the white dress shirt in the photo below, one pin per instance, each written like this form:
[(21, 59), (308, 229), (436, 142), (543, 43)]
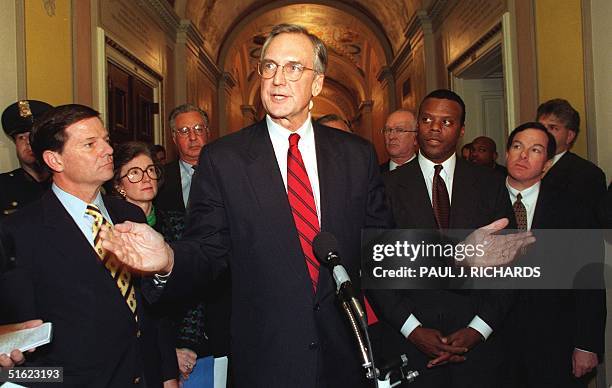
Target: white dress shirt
[(76, 208), (186, 170), (529, 198), (557, 157), (280, 142), (447, 173)]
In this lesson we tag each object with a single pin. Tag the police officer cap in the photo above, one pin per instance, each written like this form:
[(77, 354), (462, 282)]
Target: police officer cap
[(18, 117)]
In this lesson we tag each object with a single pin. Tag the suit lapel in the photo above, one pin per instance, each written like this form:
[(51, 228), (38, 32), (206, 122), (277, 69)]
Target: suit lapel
[(413, 193), (75, 249), (271, 198), (462, 203), (64, 234), (332, 187)]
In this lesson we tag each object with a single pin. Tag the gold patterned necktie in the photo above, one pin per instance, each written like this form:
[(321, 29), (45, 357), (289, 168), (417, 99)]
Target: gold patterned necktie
[(520, 213), (118, 272)]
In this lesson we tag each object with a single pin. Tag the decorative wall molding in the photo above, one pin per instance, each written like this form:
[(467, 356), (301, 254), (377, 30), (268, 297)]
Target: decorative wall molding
[(162, 11), (228, 80), (366, 106), (132, 58), (482, 45)]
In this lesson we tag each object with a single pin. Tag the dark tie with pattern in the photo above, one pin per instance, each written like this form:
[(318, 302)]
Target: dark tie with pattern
[(440, 200), (520, 213), (301, 200), (119, 273)]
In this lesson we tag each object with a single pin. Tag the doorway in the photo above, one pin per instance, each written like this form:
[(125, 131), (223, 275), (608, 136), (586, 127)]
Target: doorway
[(130, 107), (482, 87)]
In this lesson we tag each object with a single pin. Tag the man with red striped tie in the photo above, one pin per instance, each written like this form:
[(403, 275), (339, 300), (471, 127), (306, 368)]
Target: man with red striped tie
[(258, 198)]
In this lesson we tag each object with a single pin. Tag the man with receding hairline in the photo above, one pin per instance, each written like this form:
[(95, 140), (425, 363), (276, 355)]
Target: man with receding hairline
[(259, 197), (400, 139)]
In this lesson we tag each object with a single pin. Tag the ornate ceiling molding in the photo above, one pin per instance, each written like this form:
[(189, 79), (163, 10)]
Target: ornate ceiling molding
[(162, 11)]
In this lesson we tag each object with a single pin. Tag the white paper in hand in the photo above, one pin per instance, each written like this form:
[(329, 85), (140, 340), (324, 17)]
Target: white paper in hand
[(25, 339)]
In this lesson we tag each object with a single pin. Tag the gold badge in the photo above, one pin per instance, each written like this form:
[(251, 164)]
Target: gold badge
[(24, 108)]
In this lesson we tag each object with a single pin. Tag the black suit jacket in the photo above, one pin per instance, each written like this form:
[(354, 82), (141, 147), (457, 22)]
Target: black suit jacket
[(61, 280), (584, 311), (283, 334), (547, 324), (170, 194), (581, 179), (479, 197), (384, 167)]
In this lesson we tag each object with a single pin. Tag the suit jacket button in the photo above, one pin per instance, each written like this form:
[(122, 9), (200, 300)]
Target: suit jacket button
[(138, 334), (313, 345), (137, 380), (317, 307)]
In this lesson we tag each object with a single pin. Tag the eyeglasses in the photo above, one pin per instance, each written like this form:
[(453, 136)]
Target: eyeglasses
[(198, 129), (136, 174), (292, 70), (389, 131)]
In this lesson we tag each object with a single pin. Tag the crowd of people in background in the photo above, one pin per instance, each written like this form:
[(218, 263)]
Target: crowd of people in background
[(150, 268)]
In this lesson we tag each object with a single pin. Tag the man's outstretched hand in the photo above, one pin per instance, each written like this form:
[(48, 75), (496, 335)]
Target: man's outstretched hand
[(139, 247), (498, 249)]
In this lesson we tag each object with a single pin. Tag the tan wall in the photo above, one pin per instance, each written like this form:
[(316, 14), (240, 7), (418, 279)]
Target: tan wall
[(601, 14), (560, 57), (8, 77), (48, 41)]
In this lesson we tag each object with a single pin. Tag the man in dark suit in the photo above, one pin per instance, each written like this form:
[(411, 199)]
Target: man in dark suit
[(437, 190), (190, 132), (483, 152), (258, 198), (569, 172), (400, 139), (559, 334), (102, 334)]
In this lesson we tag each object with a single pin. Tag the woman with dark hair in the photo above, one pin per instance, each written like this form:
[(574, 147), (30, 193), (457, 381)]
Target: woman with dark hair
[(137, 179)]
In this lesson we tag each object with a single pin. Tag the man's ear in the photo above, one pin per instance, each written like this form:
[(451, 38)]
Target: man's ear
[(495, 155), (53, 160), (571, 136), (317, 84)]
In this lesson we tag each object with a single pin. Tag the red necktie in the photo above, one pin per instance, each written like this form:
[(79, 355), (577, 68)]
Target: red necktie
[(301, 200), (440, 201)]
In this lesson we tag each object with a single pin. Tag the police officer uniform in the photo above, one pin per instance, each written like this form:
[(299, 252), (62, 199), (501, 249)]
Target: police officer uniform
[(17, 187)]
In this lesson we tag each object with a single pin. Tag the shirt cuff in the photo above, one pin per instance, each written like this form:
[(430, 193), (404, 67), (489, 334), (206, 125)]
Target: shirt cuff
[(160, 280), (481, 326), (409, 326)]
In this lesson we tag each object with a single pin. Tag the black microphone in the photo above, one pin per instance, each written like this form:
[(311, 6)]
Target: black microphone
[(325, 248)]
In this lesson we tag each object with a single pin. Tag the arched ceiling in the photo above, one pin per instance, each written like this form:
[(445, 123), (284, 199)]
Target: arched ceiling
[(214, 17)]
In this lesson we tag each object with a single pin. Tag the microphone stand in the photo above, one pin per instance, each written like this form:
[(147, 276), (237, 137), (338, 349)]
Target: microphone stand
[(365, 350), (397, 369)]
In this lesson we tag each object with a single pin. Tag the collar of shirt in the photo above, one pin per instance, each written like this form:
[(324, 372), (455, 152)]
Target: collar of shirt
[(447, 173), (76, 209), (187, 171), (393, 165), (279, 136), (557, 157), (529, 198)]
